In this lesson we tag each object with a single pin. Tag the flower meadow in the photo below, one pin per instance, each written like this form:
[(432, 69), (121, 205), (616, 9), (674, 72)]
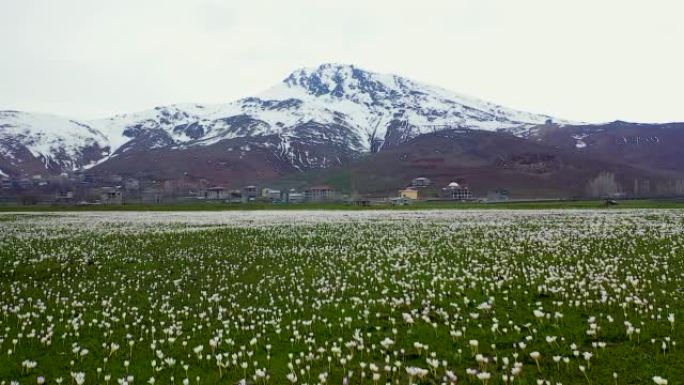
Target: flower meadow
[(364, 297)]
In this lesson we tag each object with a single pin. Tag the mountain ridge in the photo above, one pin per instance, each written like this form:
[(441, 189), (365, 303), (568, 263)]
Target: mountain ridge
[(315, 118), (364, 105)]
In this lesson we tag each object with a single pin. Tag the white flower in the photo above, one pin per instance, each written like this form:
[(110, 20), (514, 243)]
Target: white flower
[(484, 376), (386, 343), (292, 377), (413, 371), (79, 377)]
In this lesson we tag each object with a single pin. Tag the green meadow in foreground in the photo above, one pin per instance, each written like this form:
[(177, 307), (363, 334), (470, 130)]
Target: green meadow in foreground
[(313, 297)]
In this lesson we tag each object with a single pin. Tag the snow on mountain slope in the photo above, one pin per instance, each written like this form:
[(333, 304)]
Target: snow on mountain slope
[(55, 141), (363, 102), (372, 100), (336, 106)]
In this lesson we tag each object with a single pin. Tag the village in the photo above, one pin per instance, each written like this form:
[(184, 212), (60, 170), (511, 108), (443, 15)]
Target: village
[(82, 189)]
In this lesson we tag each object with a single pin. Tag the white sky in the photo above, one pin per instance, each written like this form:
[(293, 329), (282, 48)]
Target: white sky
[(591, 60)]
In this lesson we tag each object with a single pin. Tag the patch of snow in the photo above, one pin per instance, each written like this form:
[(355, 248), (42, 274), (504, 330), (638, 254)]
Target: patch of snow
[(579, 143)]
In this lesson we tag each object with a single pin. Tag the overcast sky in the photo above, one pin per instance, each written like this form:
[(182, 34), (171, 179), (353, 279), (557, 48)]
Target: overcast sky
[(590, 60)]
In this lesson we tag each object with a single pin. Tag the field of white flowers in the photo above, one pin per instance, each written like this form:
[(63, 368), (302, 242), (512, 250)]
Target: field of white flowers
[(335, 297)]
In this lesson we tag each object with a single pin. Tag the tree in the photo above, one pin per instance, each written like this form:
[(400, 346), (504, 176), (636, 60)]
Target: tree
[(603, 185)]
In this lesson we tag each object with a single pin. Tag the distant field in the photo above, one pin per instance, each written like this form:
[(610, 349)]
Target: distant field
[(340, 297), (211, 206)]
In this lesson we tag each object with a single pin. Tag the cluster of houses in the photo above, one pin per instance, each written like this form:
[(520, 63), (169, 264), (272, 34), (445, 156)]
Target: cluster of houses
[(120, 195), (422, 188), (82, 188), (251, 193)]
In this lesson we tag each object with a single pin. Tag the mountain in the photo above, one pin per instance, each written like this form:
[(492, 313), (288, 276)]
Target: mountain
[(654, 147), (485, 161), (368, 110), (339, 106), (33, 143), (332, 117)]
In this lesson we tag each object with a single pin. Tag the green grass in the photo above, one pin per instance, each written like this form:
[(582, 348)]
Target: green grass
[(308, 290)]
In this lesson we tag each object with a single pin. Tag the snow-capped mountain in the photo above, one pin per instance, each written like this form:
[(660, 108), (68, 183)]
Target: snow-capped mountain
[(371, 107), (315, 117), (42, 142)]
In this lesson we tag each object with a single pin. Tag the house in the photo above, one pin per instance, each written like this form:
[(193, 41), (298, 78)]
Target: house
[(152, 194), (111, 195), (401, 201), (409, 193), (362, 202), (249, 193), (215, 193), (293, 196), (64, 197), (235, 196), (319, 193), (421, 182), (271, 194), (457, 191)]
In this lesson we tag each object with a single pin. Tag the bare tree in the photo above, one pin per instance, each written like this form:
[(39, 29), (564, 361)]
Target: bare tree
[(603, 185)]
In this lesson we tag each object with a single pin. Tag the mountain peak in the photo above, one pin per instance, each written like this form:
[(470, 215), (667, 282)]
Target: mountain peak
[(326, 79)]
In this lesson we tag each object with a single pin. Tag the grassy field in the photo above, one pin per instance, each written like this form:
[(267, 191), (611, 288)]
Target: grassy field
[(416, 297), (213, 206)]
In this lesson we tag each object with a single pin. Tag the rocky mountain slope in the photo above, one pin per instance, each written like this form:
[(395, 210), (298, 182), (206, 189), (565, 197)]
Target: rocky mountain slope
[(486, 161), (654, 147)]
